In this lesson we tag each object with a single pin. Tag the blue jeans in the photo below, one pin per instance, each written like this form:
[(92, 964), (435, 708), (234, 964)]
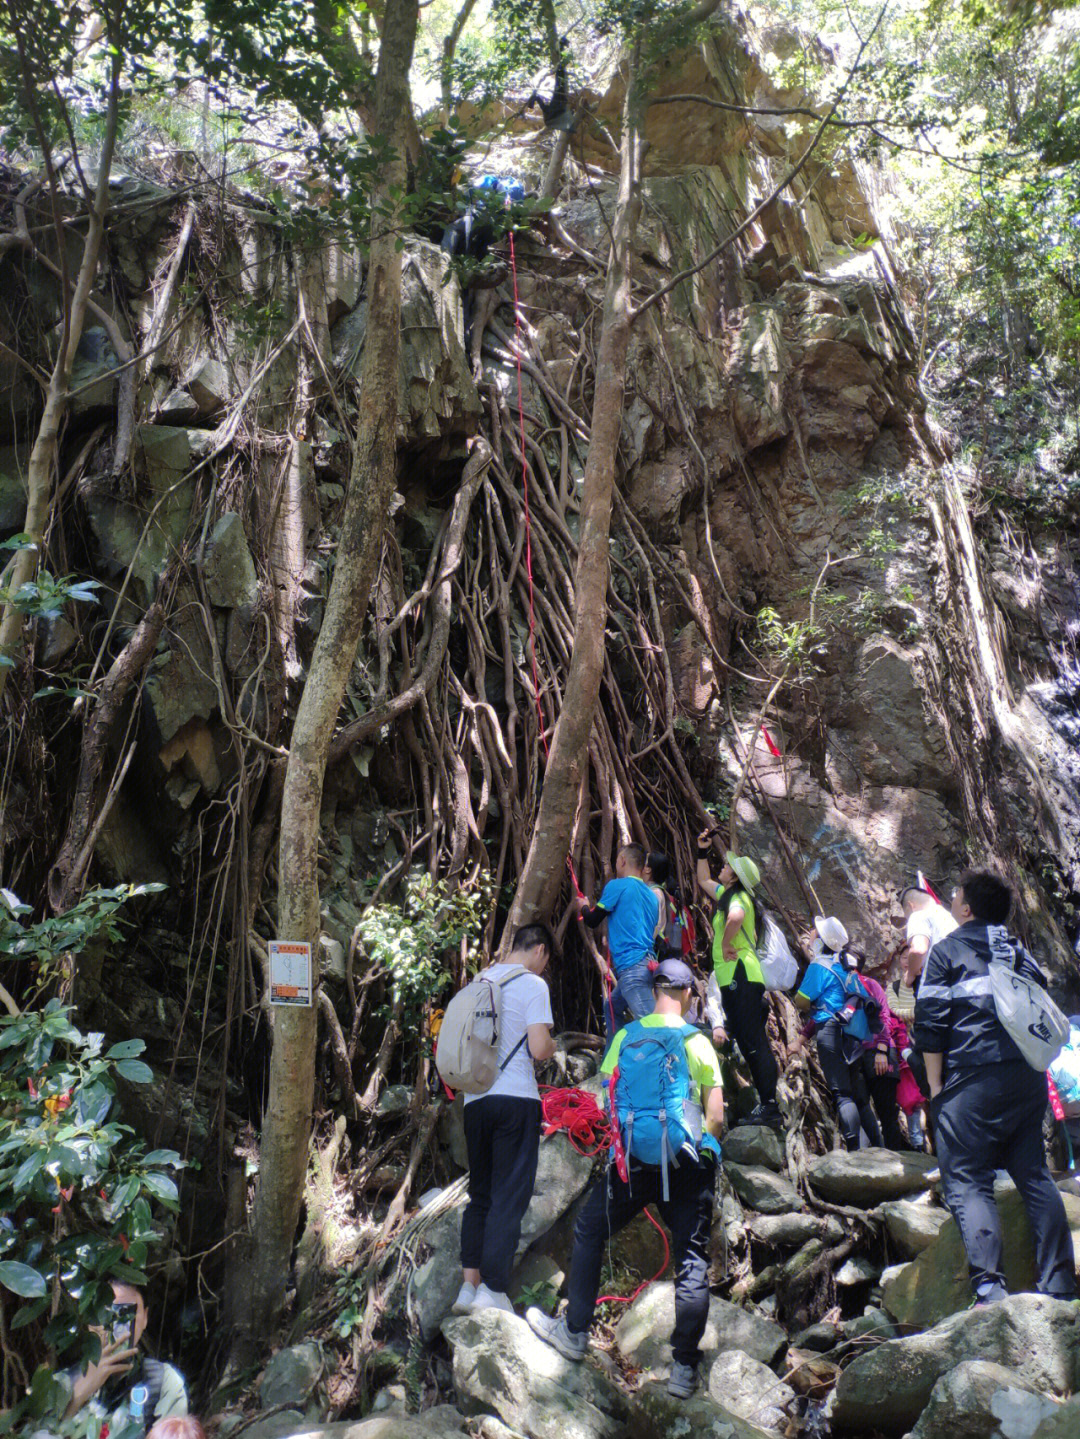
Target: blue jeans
[(633, 995)]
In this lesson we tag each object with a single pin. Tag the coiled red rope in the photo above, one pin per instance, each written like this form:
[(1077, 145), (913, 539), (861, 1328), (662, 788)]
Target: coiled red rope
[(576, 1113)]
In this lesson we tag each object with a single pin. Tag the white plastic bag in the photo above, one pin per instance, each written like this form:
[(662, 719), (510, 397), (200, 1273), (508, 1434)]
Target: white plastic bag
[(779, 967)]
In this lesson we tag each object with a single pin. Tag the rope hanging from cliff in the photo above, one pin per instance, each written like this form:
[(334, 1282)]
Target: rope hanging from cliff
[(588, 1129)]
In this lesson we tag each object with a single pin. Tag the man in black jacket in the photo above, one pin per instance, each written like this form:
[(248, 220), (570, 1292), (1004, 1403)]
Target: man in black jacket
[(986, 1101)]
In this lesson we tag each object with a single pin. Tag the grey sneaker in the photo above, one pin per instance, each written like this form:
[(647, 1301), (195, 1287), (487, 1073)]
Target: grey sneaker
[(555, 1332), (682, 1381)]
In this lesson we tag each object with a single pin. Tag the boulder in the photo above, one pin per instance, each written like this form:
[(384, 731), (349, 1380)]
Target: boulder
[(749, 1388), (644, 1332), (441, 1422), (93, 378), (982, 1400), (13, 462), (936, 1284), (290, 1376), (856, 1270), (561, 1176), (794, 1229), (763, 1190), (438, 396), (435, 1283), (868, 1176), (1063, 1424), (913, 1224), (501, 1367), (275, 1426), (208, 384), (755, 1144), (889, 1387), (654, 1412), (228, 569)]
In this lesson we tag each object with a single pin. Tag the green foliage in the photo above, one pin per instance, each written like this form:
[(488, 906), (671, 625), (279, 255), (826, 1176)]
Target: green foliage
[(412, 941), (45, 596), (791, 644), (78, 1192), (543, 1294)]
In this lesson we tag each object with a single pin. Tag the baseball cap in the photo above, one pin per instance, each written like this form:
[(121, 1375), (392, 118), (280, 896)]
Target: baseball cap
[(674, 973)]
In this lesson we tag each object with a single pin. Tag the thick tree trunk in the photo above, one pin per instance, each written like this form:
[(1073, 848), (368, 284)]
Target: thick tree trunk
[(287, 1125), (545, 863), (43, 455)]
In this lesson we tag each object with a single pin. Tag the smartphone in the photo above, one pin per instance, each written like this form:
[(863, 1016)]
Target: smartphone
[(123, 1323)]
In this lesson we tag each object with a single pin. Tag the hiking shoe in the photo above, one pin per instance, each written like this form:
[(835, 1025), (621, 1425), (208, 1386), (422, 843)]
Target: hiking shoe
[(556, 1333), (464, 1301), (682, 1381), (487, 1299), (767, 1114)]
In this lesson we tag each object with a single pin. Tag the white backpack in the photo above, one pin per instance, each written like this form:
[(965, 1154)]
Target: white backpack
[(1033, 1021), (467, 1052)]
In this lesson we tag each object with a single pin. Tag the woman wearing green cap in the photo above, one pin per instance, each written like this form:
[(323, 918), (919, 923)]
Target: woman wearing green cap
[(738, 973)]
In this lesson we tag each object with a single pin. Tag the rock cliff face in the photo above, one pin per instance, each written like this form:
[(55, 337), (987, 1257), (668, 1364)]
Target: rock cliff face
[(787, 511)]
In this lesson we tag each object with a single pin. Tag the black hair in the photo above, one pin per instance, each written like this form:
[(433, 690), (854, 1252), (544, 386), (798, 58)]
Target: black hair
[(858, 955), (987, 896), (636, 853), (911, 889), (659, 866), (723, 901), (532, 934)]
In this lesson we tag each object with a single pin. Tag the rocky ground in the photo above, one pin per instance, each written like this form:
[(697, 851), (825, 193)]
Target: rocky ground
[(839, 1306)]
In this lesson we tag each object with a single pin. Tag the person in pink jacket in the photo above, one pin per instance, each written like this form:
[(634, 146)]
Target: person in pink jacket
[(881, 1058)]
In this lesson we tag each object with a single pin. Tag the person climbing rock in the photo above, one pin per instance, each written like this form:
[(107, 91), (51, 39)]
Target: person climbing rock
[(738, 973), (986, 1101), (471, 235), (840, 1022), (667, 1101), (502, 1127), (556, 110), (927, 921), (632, 912)]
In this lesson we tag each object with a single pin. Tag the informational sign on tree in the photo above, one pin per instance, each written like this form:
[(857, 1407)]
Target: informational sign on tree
[(290, 972)]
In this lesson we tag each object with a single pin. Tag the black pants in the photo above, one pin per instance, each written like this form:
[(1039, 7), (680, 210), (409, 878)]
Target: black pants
[(502, 1136), (845, 1078), (610, 1206), (744, 1016), (882, 1088), (989, 1118)]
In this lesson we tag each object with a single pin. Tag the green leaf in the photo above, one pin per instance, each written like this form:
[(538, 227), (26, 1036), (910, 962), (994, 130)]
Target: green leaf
[(22, 1280), (162, 1187), (127, 1049), (164, 1156), (134, 1071), (27, 1313)]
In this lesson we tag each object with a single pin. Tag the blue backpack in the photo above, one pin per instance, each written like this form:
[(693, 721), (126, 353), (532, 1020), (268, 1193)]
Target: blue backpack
[(653, 1099), (860, 1015)]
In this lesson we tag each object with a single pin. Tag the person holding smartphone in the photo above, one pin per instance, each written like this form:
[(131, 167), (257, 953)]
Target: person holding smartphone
[(125, 1386)]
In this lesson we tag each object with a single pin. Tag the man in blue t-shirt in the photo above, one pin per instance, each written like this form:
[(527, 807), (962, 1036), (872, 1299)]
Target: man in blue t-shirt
[(632, 912)]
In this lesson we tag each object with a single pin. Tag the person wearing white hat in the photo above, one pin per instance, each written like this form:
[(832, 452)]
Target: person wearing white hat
[(738, 972), (840, 1020)]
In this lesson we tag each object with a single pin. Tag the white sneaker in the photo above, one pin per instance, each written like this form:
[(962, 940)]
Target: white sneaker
[(487, 1299), (464, 1302)]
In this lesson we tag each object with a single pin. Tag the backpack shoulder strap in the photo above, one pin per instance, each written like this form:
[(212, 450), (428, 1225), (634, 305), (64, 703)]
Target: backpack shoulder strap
[(518, 971)]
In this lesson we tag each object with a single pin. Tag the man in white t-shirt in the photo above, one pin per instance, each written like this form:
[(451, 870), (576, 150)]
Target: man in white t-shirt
[(502, 1127), (927, 922)]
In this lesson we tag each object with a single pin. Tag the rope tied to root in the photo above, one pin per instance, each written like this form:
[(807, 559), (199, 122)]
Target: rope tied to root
[(588, 1129)]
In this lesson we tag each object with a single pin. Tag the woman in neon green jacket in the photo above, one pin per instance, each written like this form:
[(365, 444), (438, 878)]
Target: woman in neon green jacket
[(738, 973)]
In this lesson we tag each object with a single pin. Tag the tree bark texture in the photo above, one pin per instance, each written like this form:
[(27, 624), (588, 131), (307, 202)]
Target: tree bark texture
[(545, 863), (287, 1124), (43, 455)]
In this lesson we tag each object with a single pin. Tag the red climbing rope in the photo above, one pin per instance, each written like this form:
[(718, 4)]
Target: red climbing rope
[(589, 1130)]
